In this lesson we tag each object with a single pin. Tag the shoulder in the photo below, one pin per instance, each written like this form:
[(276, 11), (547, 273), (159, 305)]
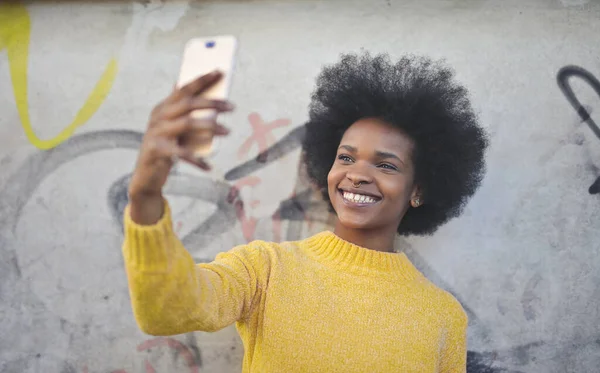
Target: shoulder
[(456, 314), (445, 303)]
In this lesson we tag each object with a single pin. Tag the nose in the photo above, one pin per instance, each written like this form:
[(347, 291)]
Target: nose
[(357, 176)]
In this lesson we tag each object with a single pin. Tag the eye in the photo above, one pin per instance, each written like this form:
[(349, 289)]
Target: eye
[(388, 166), (344, 158)]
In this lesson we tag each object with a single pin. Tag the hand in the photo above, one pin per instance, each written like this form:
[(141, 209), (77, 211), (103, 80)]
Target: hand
[(170, 122)]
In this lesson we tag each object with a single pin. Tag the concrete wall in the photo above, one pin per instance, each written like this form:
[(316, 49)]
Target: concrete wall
[(77, 81)]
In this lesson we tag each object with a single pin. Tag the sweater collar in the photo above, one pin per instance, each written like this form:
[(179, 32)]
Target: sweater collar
[(328, 248)]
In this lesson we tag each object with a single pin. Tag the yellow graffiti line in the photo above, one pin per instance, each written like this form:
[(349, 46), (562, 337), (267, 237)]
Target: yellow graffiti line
[(15, 30)]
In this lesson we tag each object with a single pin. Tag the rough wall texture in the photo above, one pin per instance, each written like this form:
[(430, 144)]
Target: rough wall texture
[(77, 81)]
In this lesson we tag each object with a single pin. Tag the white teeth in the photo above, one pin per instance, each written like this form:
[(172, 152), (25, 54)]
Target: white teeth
[(358, 198)]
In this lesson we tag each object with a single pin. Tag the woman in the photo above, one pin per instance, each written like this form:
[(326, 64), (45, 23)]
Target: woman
[(396, 149)]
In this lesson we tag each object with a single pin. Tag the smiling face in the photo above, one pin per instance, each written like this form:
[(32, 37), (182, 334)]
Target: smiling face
[(371, 182)]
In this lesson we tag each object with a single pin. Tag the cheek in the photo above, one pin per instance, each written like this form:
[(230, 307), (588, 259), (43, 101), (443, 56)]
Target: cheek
[(397, 190), (333, 178)]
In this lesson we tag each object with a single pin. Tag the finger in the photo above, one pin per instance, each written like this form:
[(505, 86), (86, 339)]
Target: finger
[(197, 85), (186, 124), (187, 154), (170, 152), (221, 130), (198, 162), (186, 105)]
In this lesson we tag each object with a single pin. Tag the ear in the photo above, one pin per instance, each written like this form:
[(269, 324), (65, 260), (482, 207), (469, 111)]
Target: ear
[(416, 197)]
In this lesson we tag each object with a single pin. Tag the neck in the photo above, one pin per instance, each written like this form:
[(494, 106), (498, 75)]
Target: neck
[(374, 239)]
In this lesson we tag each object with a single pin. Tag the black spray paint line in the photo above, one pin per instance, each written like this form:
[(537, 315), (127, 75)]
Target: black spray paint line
[(482, 362), (295, 209), (16, 193), (20, 187), (198, 188), (299, 209), (595, 187), (520, 356), (562, 78), (287, 144)]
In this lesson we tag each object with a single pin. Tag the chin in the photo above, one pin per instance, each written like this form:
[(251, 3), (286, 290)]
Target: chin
[(354, 222), (353, 225)]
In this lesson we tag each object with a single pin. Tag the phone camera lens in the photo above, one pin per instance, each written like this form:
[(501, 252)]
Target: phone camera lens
[(210, 44)]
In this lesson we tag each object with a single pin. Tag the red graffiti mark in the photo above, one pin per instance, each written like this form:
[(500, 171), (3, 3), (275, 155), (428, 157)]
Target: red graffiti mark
[(277, 226), (248, 223), (178, 226), (85, 370), (261, 134), (181, 349), (149, 368)]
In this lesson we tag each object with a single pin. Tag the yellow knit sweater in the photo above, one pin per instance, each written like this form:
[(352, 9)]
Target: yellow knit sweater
[(317, 305)]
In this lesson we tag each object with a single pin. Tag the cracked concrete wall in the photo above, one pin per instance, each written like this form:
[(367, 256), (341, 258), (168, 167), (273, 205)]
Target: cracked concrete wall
[(77, 81)]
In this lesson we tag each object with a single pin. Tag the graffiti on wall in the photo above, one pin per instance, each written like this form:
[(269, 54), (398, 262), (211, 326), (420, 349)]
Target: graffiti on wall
[(562, 78), (303, 206), (15, 33), (231, 209), (190, 355)]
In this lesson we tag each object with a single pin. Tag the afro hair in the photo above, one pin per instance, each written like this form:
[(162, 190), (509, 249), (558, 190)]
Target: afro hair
[(418, 96)]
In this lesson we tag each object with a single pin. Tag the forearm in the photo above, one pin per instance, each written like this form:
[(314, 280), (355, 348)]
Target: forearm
[(170, 294), (146, 209), (160, 272), (174, 300)]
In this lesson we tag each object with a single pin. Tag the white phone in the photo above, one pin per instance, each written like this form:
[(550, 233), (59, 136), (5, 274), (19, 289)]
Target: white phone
[(201, 56)]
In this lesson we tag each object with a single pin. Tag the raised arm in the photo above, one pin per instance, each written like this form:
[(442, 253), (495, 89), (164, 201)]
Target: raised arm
[(170, 294)]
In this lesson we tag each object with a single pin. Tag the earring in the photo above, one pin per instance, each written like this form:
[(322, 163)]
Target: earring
[(416, 202), (356, 185)]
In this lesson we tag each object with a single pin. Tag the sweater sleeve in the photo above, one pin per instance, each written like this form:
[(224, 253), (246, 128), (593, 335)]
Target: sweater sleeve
[(454, 351), (170, 294)]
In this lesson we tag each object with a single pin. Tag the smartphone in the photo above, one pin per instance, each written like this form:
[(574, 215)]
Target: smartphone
[(201, 56)]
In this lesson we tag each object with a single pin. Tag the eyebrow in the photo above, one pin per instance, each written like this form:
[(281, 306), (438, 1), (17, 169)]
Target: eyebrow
[(378, 153)]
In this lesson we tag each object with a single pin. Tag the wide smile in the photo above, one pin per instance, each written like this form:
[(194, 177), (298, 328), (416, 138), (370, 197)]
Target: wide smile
[(357, 199)]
